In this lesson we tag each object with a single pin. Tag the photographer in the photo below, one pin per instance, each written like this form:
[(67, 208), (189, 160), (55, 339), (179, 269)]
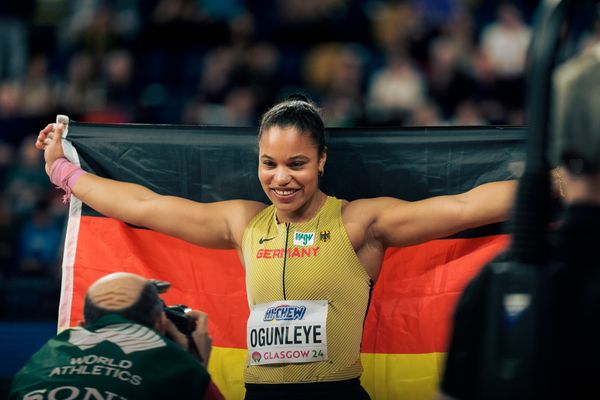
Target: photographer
[(121, 350)]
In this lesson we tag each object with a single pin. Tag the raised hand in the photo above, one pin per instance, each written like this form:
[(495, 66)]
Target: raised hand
[(49, 140), (200, 335)]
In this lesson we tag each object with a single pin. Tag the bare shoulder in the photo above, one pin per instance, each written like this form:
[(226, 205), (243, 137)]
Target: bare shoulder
[(366, 211), (247, 206), (242, 211), (359, 217), (239, 214)]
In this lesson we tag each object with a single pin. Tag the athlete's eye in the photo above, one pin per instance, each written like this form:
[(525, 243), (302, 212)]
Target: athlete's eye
[(268, 163), (297, 164)]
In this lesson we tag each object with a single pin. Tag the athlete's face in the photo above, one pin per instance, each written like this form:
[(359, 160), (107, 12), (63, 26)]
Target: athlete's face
[(288, 170)]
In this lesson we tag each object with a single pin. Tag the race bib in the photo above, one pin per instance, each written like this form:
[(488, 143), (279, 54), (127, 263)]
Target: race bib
[(291, 331)]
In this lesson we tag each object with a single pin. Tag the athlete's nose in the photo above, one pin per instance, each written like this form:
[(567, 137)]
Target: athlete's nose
[(282, 176)]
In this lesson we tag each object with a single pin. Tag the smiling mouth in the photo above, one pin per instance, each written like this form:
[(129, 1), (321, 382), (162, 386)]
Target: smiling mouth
[(284, 192)]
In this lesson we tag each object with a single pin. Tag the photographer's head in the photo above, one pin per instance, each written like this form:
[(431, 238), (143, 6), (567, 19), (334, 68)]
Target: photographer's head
[(129, 295), (575, 137)]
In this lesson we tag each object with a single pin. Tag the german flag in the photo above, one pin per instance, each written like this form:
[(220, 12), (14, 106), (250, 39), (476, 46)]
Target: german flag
[(407, 326)]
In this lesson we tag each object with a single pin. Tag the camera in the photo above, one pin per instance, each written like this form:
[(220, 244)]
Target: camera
[(178, 316), (177, 313)]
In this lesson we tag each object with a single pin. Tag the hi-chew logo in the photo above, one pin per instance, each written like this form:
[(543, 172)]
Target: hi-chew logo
[(285, 313), (304, 238)]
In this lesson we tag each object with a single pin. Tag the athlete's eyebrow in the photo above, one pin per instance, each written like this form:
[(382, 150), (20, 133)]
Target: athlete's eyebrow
[(298, 157)]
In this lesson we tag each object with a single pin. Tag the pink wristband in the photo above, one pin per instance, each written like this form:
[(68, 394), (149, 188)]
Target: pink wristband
[(64, 174)]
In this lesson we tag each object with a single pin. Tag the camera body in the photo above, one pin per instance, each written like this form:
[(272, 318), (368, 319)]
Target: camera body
[(176, 313), (178, 316)]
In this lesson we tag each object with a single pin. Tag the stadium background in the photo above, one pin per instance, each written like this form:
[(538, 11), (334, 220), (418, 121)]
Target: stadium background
[(222, 62)]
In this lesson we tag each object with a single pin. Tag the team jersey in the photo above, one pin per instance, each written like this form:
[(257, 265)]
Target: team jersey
[(112, 359), (288, 265)]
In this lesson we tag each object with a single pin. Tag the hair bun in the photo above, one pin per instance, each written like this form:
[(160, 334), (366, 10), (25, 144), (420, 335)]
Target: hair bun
[(298, 97)]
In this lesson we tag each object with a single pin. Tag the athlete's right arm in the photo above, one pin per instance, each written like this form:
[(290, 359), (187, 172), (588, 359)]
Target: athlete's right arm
[(214, 225)]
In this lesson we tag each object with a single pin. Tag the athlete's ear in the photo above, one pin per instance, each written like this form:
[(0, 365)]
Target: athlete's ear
[(322, 160)]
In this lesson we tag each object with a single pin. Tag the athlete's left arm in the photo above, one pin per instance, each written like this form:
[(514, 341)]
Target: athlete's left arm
[(402, 223)]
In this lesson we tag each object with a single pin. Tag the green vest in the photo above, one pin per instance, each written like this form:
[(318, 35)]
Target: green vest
[(112, 359)]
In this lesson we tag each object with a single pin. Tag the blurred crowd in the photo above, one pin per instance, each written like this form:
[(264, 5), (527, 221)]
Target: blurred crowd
[(223, 62)]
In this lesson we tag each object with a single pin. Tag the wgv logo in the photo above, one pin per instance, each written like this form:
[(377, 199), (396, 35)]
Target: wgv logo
[(304, 239)]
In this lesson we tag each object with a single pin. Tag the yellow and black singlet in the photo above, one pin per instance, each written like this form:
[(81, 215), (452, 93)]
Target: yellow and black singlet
[(307, 261)]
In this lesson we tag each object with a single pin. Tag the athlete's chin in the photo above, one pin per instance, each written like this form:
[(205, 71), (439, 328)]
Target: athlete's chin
[(287, 205)]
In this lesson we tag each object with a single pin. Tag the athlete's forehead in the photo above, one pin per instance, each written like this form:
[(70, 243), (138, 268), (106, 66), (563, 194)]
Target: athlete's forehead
[(286, 142)]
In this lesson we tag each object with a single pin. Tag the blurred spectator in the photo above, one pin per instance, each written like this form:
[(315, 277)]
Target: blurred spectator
[(38, 92), (6, 159), (303, 23), (240, 106), (391, 23), (437, 13), (99, 25), (26, 182), (340, 111), (468, 113), (14, 47), (39, 242), (115, 91), (81, 91), (460, 30), (448, 81), (216, 73), (238, 109), (118, 71), (262, 61), (395, 91), (181, 25), (504, 43), (226, 10), (335, 73), (426, 115), (11, 94), (485, 94), (100, 35), (8, 230)]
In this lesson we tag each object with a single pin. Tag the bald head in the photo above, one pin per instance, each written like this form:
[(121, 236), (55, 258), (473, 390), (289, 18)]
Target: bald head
[(126, 294), (116, 291)]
